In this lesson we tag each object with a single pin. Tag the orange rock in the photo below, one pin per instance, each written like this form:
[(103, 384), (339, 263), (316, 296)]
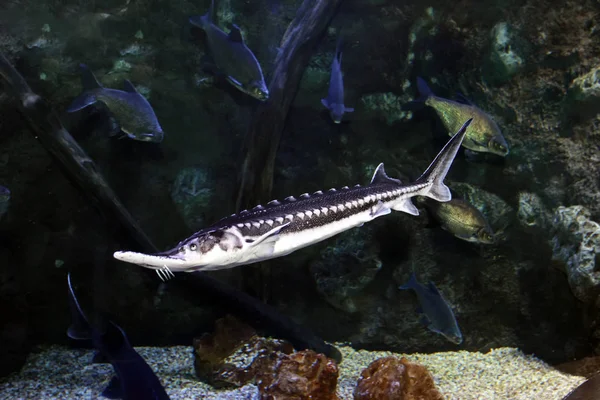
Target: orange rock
[(301, 376), (394, 379)]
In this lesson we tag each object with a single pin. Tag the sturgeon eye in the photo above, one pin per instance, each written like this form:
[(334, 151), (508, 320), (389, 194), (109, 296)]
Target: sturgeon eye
[(193, 247)]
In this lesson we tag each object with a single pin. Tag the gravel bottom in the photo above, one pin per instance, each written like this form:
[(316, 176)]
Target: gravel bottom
[(506, 373), (501, 374)]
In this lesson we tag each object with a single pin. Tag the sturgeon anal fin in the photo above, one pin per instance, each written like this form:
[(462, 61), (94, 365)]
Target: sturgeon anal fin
[(407, 206)]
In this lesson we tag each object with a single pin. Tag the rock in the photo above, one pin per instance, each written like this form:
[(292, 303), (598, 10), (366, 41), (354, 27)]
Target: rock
[(399, 379), (586, 87), (387, 106), (346, 267), (507, 54), (192, 193), (583, 96), (576, 242), (233, 354), (532, 211), (301, 376)]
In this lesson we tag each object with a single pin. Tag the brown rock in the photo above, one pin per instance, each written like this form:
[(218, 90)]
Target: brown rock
[(232, 355), (394, 379), (301, 376)]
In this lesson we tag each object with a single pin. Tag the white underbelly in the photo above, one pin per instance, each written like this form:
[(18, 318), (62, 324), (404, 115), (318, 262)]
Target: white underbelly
[(288, 243)]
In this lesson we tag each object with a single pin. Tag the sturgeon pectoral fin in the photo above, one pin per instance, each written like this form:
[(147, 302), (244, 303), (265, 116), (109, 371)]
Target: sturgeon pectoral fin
[(270, 235)]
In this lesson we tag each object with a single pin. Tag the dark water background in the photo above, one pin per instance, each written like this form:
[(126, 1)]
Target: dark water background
[(514, 293)]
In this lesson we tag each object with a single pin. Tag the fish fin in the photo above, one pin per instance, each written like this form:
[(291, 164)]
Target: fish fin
[(424, 90), (411, 284), (80, 328), (199, 20), (379, 176), (407, 206), (82, 101), (433, 289), (325, 102), (113, 390), (380, 209), (435, 174), (99, 358), (348, 109), (461, 98), (234, 81), (203, 20), (269, 235), (128, 86), (88, 79), (426, 322), (235, 34)]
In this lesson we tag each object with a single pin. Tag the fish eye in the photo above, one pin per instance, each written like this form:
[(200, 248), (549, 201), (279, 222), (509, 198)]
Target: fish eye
[(193, 247)]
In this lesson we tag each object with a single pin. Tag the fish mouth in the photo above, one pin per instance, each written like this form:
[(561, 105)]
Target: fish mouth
[(168, 259)]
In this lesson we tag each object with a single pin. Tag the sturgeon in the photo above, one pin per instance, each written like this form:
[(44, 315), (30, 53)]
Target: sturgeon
[(282, 227)]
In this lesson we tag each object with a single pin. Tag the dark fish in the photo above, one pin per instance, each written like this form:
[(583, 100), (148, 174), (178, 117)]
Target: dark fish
[(134, 379), (131, 110), (588, 390), (4, 200), (232, 57), (334, 101), (483, 134), (461, 219), (438, 315)]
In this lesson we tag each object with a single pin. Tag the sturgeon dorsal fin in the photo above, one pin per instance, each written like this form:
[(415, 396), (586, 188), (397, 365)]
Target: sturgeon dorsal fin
[(128, 86), (235, 34), (379, 176)]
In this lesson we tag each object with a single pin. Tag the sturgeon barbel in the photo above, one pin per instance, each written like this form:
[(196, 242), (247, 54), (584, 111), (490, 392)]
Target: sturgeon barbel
[(281, 227)]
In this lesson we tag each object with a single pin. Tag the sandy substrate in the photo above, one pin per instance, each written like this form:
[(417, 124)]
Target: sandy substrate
[(61, 373)]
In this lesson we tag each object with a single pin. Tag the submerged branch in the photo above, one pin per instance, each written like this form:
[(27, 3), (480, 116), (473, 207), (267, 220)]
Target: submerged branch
[(264, 135), (81, 170), (75, 163)]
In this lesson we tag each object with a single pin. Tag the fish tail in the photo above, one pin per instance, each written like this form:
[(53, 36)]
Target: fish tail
[(412, 282), (420, 102), (425, 91), (203, 20), (435, 174)]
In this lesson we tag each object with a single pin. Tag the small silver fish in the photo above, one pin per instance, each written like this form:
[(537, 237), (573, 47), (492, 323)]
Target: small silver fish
[(232, 57), (438, 314), (334, 101), (132, 111)]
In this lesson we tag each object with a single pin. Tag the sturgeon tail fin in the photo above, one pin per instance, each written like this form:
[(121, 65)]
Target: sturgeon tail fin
[(435, 174)]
